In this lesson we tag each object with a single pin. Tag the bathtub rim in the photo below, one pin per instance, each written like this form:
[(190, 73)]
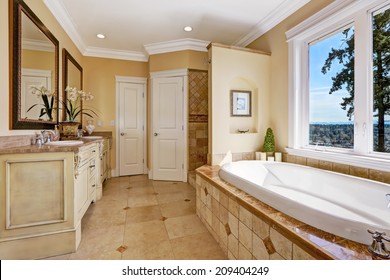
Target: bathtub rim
[(322, 170), (295, 213), (319, 244)]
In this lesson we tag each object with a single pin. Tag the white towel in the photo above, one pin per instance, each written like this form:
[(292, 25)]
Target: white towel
[(227, 159)]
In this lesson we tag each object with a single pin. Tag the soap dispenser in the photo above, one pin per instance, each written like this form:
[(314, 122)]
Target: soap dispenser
[(56, 133)]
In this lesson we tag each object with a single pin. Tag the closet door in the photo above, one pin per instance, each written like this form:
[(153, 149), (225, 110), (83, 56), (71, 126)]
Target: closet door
[(168, 129), (131, 128)]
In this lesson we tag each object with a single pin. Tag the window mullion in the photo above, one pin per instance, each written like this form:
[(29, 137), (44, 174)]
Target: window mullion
[(363, 90), (305, 96)]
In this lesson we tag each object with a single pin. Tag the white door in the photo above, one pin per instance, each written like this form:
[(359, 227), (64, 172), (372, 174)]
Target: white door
[(168, 130), (131, 129)]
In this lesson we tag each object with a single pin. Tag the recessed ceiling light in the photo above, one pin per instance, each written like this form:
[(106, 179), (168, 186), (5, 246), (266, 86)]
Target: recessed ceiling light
[(101, 36), (188, 28)]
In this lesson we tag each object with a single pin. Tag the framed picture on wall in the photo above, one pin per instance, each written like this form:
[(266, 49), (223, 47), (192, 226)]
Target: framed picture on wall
[(241, 105)]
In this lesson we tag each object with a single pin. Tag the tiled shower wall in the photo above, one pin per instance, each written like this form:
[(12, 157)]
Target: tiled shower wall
[(198, 118)]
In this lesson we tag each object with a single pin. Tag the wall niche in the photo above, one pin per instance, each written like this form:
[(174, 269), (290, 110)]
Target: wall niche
[(245, 124)]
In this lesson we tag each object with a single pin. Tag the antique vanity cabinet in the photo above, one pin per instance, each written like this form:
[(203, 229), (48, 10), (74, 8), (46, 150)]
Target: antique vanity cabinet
[(44, 193), (105, 160), (85, 174)]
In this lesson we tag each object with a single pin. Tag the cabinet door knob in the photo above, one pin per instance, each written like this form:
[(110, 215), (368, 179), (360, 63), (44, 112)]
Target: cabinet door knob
[(156, 134), (122, 134)]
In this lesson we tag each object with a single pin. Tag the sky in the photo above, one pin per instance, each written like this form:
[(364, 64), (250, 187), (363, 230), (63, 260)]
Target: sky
[(325, 107)]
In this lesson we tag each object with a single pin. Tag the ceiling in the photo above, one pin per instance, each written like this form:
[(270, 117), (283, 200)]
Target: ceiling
[(135, 29)]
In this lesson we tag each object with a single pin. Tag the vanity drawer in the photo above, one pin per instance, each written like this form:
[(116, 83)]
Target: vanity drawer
[(87, 153), (92, 167), (92, 188)]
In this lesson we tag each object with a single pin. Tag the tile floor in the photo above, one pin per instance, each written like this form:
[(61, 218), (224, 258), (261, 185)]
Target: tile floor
[(140, 219)]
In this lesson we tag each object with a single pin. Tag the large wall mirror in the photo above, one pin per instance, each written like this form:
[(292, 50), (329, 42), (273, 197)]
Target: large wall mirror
[(34, 63), (72, 77)]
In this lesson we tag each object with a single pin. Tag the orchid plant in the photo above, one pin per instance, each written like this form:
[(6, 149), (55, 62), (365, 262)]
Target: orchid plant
[(72, 104), (47, 97)]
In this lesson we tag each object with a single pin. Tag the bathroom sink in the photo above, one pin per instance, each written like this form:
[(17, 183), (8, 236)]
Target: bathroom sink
[(92, 137), (65, 143)]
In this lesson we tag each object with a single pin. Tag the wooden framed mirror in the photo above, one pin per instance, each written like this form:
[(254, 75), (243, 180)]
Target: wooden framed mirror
[(34, 70), (72, 77)]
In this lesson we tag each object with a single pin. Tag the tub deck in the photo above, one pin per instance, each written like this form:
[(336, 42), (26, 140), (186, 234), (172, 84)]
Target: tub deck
[(315, 243)]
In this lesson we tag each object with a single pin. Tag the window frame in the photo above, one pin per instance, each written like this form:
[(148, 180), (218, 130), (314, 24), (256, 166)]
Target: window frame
[(335, 17)]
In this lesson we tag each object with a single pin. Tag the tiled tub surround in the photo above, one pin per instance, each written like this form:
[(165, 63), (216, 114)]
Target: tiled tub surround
[(247, 228), (337, 203), (235, 156)]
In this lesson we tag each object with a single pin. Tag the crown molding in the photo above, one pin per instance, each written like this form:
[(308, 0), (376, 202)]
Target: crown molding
[(177, 45), (57, 8), (329, 14), (286, 9), (37, 45), (116, 54)]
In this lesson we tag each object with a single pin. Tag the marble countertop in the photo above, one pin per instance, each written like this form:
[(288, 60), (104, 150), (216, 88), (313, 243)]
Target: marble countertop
[(47, 148), (19, 144)]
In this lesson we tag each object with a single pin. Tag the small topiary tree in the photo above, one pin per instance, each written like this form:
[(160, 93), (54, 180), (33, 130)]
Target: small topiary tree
[(269, 142)]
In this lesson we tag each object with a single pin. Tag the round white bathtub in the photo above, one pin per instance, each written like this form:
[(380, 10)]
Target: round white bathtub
[(340, 204)]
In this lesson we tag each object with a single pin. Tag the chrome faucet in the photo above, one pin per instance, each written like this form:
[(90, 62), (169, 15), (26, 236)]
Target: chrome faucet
[(38, 140), (378, 247), (49, 135)]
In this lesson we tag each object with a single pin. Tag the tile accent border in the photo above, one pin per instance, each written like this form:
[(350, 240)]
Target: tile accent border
[(246, 228), (372, 174)]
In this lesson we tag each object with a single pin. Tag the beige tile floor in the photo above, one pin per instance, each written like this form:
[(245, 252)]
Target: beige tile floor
[(140, 219)]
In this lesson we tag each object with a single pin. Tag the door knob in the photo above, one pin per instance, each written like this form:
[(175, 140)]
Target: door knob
[(122, 134), (156, 134)]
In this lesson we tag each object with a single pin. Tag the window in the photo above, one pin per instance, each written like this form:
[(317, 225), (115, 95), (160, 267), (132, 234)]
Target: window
[(339, 84), (381, 80), (331, 62)]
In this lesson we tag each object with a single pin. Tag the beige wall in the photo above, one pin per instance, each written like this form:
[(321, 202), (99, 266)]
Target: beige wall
[(38, 60), (99, 79), (239, 70), (171, 61), (178, 60), (274, 41)]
